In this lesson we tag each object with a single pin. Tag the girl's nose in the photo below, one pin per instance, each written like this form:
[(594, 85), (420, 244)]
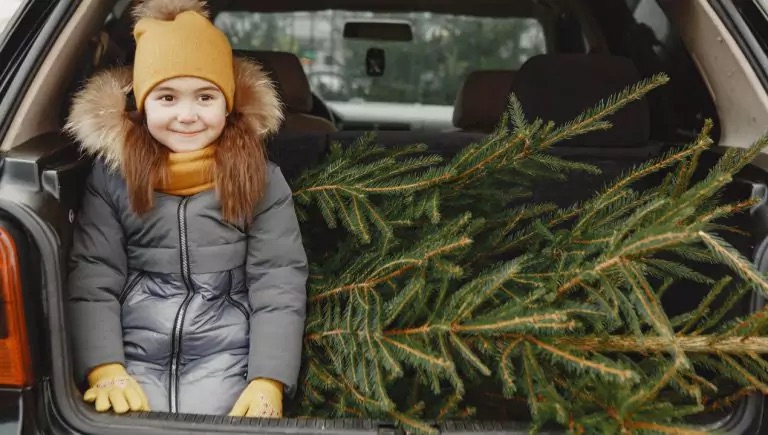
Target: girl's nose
[(187, 115)]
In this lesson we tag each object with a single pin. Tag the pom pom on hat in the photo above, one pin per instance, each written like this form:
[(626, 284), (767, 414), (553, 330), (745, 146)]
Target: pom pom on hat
[(167, 10), (175, 38)]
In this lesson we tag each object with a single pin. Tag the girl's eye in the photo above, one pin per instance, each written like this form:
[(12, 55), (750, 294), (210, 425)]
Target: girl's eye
[(206, 97), (166, 98)]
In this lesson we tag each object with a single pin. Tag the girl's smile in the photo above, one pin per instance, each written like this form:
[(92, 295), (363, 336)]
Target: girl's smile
[(188, 134)]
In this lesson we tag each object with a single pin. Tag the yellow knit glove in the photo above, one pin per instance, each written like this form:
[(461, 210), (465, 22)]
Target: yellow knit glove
[(111, 386), (261, 398)]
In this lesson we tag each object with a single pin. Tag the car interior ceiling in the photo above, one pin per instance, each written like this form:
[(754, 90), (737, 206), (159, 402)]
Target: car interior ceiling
[(669, 116)]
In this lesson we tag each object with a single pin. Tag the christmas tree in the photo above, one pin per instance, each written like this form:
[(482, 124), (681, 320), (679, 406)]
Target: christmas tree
[(429, 282)]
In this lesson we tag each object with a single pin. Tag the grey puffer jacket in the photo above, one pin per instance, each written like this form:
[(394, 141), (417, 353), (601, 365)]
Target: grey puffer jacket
[(193, 306)]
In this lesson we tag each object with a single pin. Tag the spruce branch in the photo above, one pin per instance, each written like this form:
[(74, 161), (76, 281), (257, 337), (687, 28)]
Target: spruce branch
[(592, 119), (711, 344)]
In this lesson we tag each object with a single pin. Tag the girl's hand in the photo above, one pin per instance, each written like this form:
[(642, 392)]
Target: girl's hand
[(112, 387), (261, 398)]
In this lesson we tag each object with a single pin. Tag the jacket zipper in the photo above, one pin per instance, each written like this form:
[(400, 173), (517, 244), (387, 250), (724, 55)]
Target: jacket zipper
[(173, 379), (232, 301), (129, 288)]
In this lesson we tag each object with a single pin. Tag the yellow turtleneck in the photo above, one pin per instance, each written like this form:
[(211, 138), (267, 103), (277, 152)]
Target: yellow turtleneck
[(189, 173)]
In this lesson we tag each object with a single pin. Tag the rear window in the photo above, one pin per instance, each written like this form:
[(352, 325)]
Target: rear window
[(428, 70)]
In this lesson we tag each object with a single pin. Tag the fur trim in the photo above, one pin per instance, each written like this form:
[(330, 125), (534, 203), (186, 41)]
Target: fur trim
[(256, 98), (167, 10), (99, 121)]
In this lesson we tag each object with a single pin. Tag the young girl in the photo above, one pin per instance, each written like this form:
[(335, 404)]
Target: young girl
[(188, 274)]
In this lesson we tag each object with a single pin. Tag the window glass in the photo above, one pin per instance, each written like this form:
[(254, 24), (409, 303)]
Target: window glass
[(428, 70)]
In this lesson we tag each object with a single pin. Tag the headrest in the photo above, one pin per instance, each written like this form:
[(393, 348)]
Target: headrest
[(482, 100), (286, 71), (557, 87)]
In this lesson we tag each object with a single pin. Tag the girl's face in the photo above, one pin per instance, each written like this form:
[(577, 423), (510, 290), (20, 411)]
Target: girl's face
[(185, 113)]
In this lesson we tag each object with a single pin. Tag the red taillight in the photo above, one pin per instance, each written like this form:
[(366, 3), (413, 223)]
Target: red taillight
[(15, 369)]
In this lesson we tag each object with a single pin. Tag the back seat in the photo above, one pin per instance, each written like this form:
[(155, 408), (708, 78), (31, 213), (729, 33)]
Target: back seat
[(558, 87), (446, 144), (286, 71), (545, 91), (482, 100), (478, 108), (295, 152)]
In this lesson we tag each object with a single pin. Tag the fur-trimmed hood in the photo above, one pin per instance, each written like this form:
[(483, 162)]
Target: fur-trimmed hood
[(99, 117)]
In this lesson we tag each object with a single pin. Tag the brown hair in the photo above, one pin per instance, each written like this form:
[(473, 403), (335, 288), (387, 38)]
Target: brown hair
[(239, 170)]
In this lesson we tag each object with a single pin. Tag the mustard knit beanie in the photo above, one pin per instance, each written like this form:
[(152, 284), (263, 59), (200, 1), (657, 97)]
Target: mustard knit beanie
[(175, 38)]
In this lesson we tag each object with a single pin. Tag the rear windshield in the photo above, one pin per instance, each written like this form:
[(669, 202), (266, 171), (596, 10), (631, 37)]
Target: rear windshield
[(428, 70)]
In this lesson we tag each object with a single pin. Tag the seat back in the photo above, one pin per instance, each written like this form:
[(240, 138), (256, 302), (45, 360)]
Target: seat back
[(558, 87), (482, 100), (293, 86)]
